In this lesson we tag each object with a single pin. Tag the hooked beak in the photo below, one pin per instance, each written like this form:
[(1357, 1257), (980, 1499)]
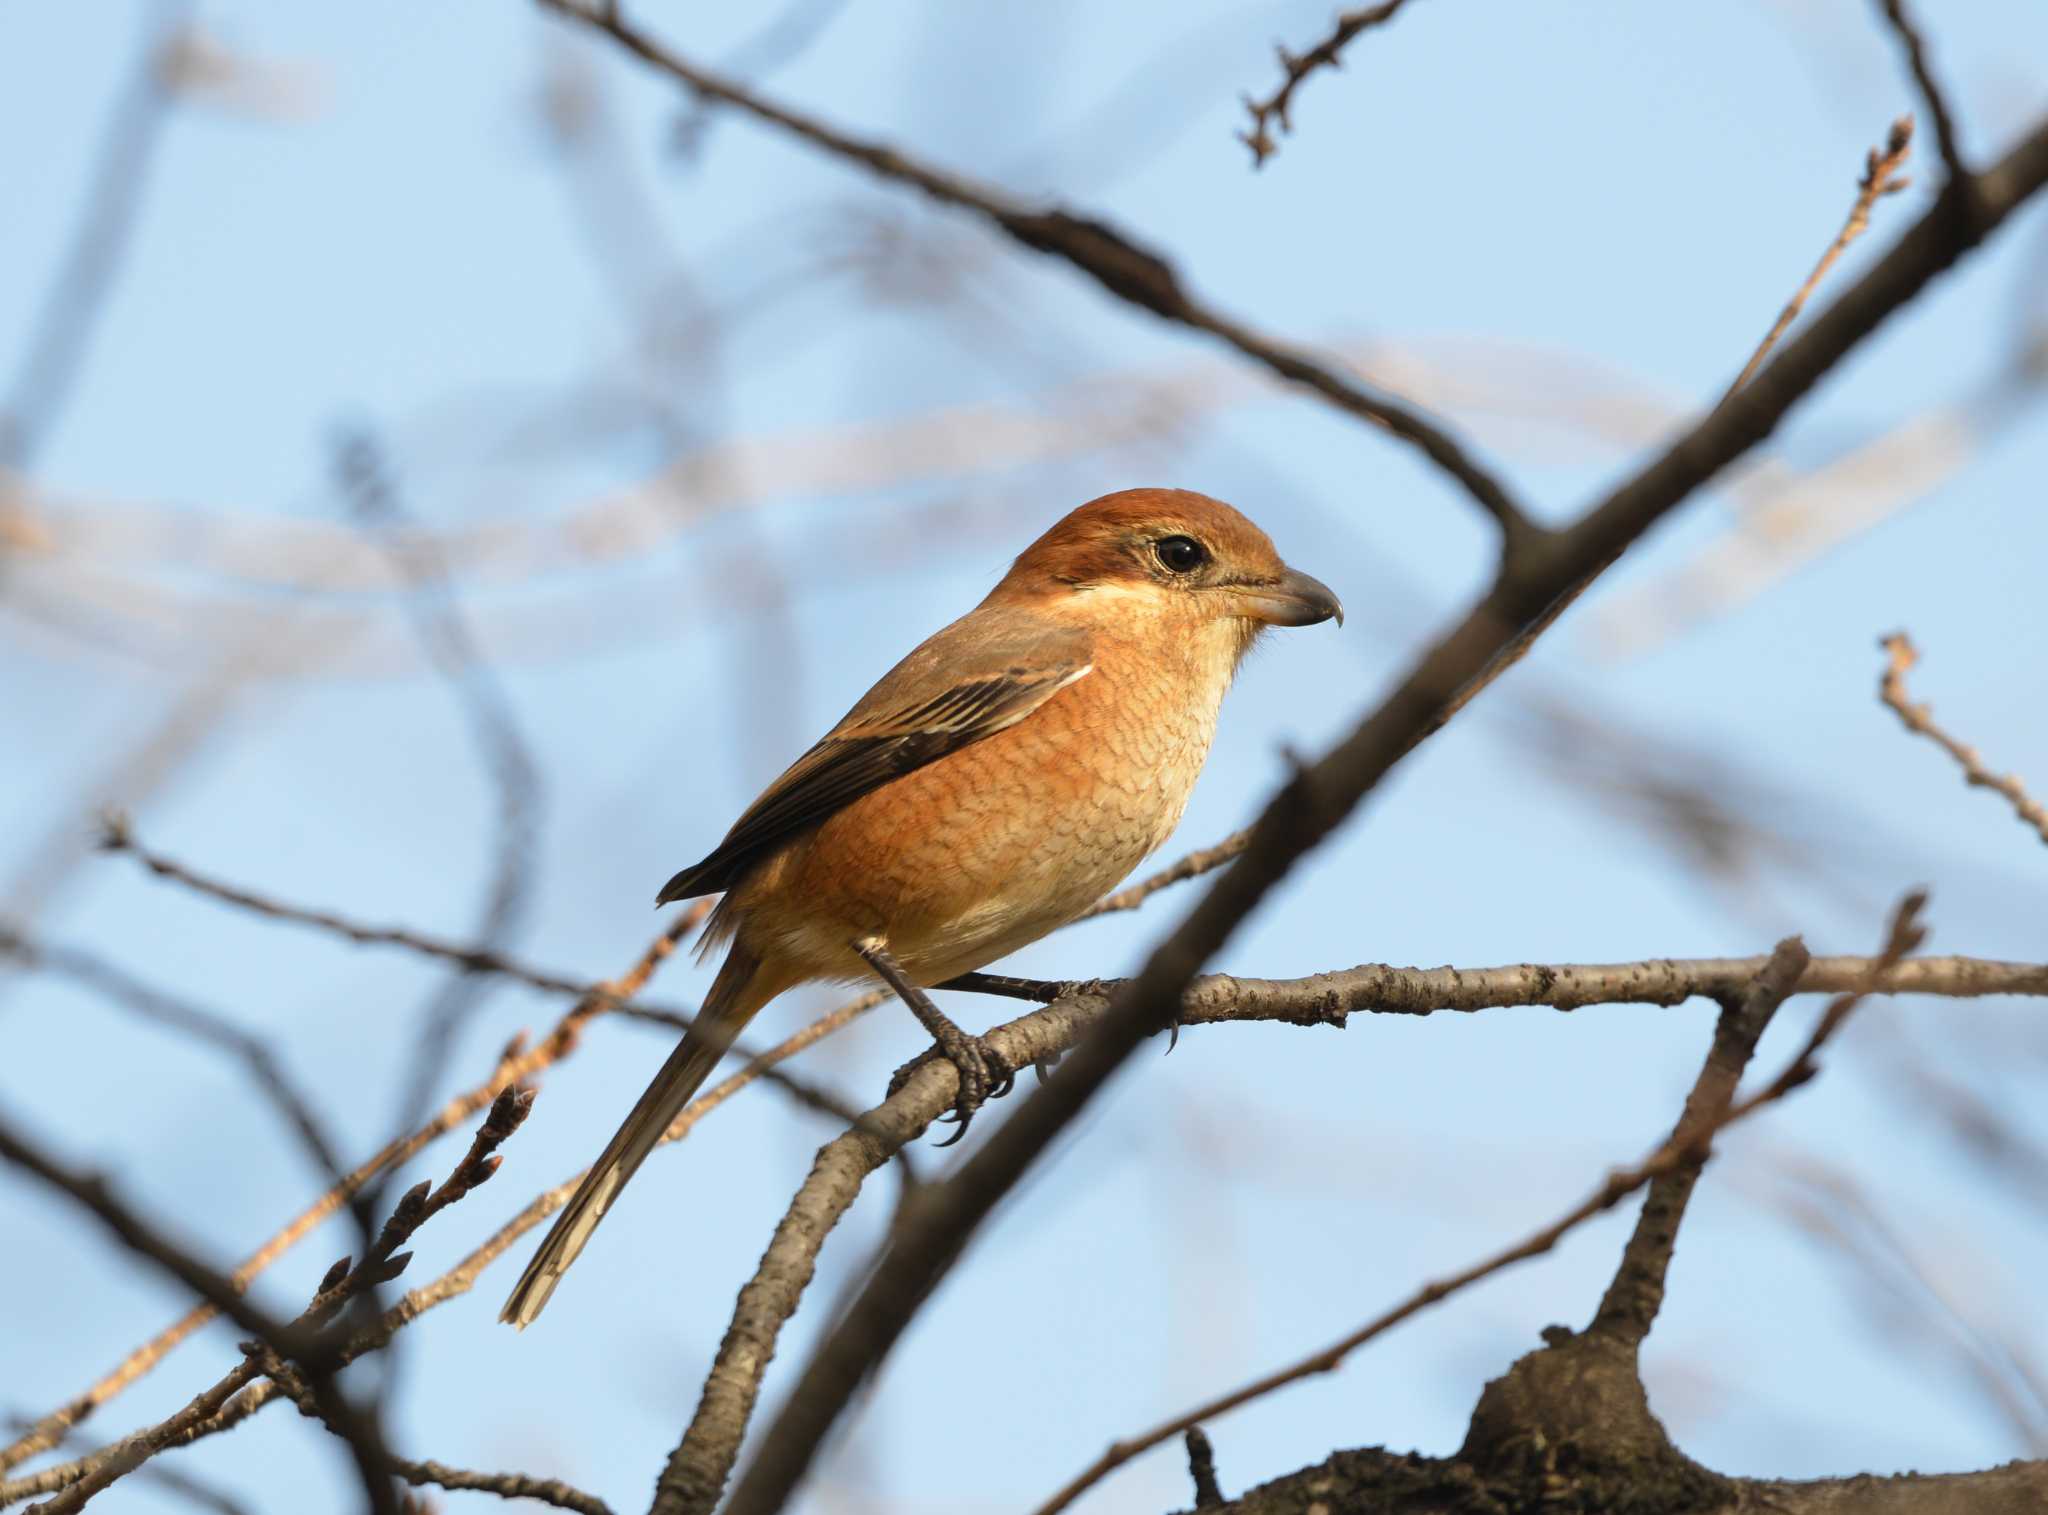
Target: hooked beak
[(1296, 600)]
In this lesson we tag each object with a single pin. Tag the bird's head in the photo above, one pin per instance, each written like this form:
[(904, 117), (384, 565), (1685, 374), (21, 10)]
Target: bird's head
[(1170, 553)]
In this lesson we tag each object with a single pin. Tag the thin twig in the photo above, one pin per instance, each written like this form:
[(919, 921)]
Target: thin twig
[(516, 1064), (266, 1070), (1930, 94), (1686, 1148), (365, 477), (1194, 865), (117, 834), (1880, 178), (273, 1363), (1126, 269), (282, 1340), (1891, 689), (1296, 67), (228, 1405), (554, 1491), (69, 311)]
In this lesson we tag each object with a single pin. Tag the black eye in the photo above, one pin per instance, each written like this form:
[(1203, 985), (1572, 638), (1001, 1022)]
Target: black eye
[(1180, 554)]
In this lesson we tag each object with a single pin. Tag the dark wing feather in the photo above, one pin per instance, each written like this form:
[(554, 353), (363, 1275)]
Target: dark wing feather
[(979, 676)]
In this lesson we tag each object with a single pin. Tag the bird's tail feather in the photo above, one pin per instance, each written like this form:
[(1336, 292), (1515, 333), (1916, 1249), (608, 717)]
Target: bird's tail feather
[(733, 999)]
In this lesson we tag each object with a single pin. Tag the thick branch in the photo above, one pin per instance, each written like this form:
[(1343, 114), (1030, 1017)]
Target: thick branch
[(1686, 1148), (1633, 1298)]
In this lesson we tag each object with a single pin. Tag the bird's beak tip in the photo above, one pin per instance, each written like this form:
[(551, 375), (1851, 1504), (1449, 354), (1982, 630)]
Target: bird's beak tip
[(1297, 600)]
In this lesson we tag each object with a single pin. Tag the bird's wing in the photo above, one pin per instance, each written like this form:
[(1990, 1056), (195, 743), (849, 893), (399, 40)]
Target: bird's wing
[(981, 675)]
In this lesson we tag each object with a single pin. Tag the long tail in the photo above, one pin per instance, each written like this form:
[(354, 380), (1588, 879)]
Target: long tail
[(734, 997)]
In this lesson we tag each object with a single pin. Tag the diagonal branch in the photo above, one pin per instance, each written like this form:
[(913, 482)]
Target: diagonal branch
[(1322, 795), (1131, 272), (1920, 718), (517, 1063), (1630, 1305), (1328, 53), (1880, 178), (281, 1340)]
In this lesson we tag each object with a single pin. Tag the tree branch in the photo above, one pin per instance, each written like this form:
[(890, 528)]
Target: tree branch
[(1322, 795), (1129, 271), (697, 1470), (1880, 178), (516, 1064), (611, 998), (1633, 1298), (1930, 93), (1321, 999), (554, 1491), (1708, 1112), (1891, 689), (288, 1341), (1296, 67)]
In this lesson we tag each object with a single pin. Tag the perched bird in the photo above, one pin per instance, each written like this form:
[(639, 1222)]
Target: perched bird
[(995, 784)]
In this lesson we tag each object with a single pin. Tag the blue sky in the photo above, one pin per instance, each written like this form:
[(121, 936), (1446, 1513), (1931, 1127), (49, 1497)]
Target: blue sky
[(1512, 206)]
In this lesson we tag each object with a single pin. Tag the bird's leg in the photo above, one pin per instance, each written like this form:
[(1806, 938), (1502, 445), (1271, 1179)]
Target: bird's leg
[(1042, 990), (985, 1074)]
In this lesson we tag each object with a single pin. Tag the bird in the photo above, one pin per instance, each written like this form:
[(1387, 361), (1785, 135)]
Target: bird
[(992, 786)]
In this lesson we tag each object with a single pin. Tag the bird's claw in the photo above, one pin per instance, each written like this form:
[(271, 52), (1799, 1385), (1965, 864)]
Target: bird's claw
[(985, 1074)]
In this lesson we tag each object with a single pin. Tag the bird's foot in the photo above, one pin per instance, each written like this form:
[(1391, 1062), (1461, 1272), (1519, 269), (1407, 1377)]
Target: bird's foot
[(985, 1074)]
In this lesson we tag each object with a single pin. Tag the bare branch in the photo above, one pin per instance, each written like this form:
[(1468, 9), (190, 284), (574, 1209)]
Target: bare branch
[(312, 1342), (1194, 865), (1930, 93), (773, 1295), (1131, 272), (117, 835), (281, 1340), (69, 311), (1202, 1468), (1920, 718), (552, 1491), (1633, 1298), (256, 1055), (1880, 178), (1296, 67), (1322, 795), (516, 1064), (1707, 1114), (701, 1463), (444, 633)]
